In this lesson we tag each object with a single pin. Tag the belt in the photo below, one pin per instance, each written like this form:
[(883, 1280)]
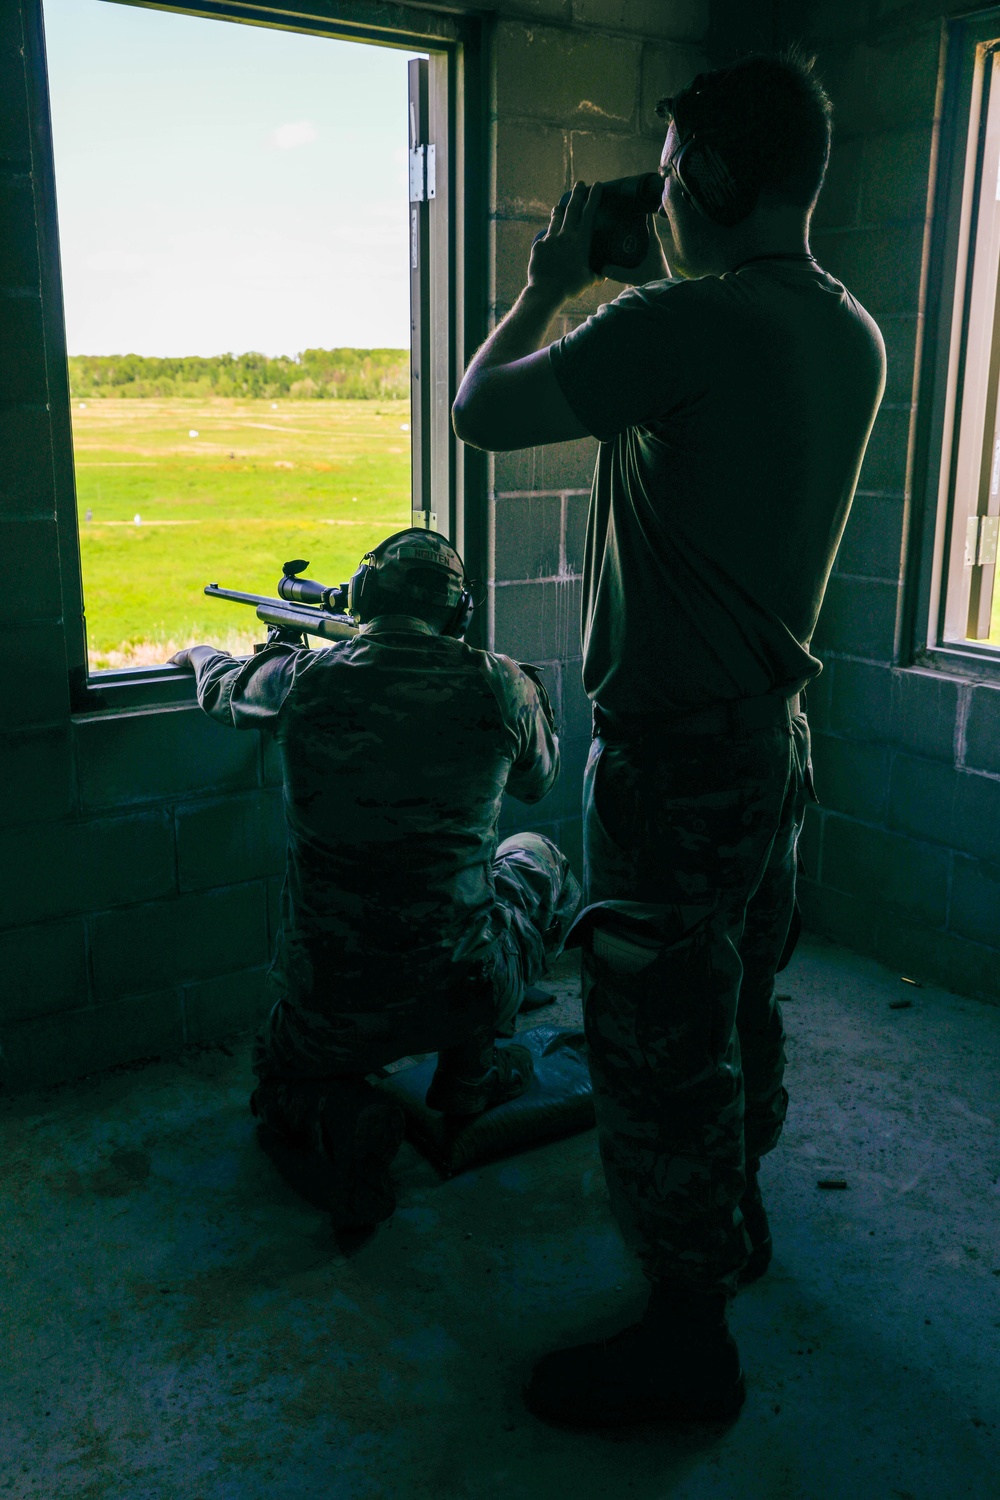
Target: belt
[(730, 716)]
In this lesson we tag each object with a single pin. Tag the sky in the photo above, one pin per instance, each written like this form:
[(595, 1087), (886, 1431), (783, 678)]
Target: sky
[(224, 187)]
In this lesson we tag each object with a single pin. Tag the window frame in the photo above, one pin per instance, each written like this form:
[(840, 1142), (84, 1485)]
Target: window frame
[(454, 313), (945, 310)]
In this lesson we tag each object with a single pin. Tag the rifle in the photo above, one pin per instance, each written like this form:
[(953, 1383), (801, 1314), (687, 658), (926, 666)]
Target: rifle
[(303, 607)]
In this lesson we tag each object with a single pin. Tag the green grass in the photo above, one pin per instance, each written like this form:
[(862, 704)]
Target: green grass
[(261, 482)]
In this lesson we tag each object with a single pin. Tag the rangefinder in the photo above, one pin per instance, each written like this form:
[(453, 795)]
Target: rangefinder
[(621, 225)]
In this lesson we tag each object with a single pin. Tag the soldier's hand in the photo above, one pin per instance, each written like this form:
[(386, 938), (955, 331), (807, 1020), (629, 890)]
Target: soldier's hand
[(181, 659), (559, 258)]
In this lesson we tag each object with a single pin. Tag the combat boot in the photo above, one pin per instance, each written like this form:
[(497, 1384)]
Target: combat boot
[(757, 1228), (679, 1364), (474, 1077), (333, 1142)]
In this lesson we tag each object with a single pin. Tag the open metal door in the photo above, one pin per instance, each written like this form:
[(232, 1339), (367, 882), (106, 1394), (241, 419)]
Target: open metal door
[(423, 192)]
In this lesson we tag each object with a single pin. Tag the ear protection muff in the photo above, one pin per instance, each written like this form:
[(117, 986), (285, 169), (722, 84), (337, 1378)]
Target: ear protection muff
[(708, 182), (362, 591), (707, 178)]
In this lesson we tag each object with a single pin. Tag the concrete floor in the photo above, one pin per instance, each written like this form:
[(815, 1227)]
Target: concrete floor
[(182, 1326)]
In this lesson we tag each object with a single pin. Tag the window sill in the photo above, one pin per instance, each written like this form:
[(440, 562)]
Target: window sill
[(981, 663), (134, 688)]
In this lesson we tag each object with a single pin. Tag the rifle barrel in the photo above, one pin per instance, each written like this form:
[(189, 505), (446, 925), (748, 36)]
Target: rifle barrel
[(302, 617)]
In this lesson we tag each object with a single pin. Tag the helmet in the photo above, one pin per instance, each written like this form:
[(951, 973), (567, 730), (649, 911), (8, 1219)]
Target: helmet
[(419, 566)]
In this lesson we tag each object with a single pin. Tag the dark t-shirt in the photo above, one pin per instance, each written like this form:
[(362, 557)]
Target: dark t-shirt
[(733, 413)]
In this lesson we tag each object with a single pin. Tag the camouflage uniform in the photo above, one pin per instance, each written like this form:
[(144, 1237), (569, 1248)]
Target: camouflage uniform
[(403, 927), (690, 847)]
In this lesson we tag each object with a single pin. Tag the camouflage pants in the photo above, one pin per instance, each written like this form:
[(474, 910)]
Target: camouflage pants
[(537, 898), (690, 851)]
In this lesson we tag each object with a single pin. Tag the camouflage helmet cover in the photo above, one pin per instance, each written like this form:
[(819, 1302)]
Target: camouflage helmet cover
[(419, 563)]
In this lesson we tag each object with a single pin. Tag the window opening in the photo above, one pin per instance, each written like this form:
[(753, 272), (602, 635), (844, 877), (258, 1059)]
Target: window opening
[(234, 214), (971, 602)]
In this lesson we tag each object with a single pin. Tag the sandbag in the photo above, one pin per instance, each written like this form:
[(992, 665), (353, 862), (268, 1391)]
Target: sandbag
[(556, 1103)]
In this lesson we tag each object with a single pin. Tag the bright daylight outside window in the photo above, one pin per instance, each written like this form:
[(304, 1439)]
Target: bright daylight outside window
[(971, 600), (233, 218)]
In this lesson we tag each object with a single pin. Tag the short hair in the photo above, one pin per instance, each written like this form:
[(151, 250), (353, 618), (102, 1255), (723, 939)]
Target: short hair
[(768, 116)]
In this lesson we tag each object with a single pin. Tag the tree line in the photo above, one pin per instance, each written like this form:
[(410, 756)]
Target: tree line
[(320, 374)]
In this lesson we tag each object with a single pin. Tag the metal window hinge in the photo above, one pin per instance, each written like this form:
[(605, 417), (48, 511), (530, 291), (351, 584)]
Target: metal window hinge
[(423, 173), (981, 536), (426, 519)]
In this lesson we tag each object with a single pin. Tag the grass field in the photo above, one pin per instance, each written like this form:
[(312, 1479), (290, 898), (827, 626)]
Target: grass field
[(224, 490)]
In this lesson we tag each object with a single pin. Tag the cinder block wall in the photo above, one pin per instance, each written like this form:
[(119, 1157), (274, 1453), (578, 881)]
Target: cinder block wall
[(139, 851), (574, 98), (903, 857)]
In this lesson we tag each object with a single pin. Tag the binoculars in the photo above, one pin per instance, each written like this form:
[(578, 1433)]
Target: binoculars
[(621, 227)]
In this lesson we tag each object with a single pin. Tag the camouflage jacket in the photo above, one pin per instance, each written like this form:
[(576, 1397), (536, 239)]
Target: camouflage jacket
[(396, 749)]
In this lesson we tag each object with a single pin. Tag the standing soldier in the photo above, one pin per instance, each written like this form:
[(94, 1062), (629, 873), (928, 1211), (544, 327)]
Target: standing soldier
[(733, 405), (403, 927)]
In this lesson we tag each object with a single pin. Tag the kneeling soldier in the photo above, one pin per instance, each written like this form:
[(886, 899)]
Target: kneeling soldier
[(404, 928)]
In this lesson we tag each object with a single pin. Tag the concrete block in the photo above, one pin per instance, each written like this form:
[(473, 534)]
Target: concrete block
[(937, 957), (851, 777), (569, 77), (44, 970), (532, 167), (982, 730), (858, 618), (576, 510), (838, 916), (15, 135), (19, 247), (922, 798), (144, 948), (974, 911), (232, 839), (537, 621), (977, 814), (22, 352), (577, 711), (827, 20), (63, 868), (839, 202), (666, 69), (884, 467), (925, 707), (896, 176), (599, 156), (886, 869), (872, 543), (36, 776), (861, 701), (26, 485), (566, 797), (548, 10), (223, 1006), (570, 841), (35, 666), (684, 20), (558, 466), (512, 246), (886, 85), (40, 1052), (527, 537), (880, 265), (142, 757), (30, 582), (900, 334)]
